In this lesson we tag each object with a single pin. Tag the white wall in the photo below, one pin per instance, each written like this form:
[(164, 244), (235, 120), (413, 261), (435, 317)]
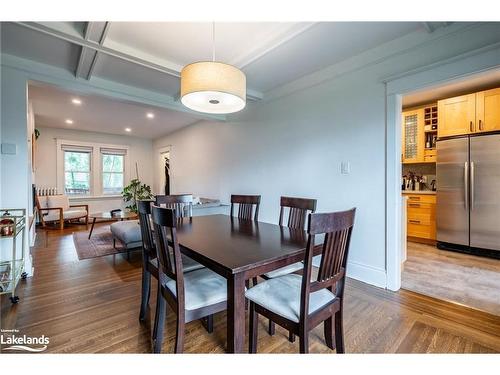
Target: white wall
[(140, 151), (294, 145)]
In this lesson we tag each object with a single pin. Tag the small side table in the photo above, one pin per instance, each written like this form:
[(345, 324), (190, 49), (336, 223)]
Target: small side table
[(116, 216)]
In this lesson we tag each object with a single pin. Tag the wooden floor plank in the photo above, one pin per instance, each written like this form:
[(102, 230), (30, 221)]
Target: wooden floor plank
[(92, 306)]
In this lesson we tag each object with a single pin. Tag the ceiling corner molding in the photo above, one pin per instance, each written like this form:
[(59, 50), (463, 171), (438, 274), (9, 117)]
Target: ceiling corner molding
[(368, 58)]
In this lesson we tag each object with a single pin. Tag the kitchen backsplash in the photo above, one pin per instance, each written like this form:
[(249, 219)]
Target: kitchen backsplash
[(427, 170), (420, 169)]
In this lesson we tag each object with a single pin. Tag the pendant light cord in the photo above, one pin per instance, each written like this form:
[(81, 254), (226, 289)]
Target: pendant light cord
[(213, 41)]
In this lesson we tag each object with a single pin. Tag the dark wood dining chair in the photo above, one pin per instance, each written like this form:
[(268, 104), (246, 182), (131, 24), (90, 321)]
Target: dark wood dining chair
[(299, 303), (181, 203), (192, 295), (296, 209), (150, 261), (246, 204)]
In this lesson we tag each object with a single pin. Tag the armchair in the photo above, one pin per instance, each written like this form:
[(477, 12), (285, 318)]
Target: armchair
[(56, 208)]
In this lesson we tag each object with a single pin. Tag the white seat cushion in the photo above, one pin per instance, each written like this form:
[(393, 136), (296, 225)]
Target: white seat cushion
[(69, 214), (291, 268), (189, 264), (282, 296), (58, 201), (202, 288)]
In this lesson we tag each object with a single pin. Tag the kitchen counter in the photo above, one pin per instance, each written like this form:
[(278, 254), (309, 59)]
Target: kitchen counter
[(427, 192)]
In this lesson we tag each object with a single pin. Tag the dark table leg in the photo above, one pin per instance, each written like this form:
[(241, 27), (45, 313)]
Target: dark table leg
[(92, 227), (236, 313)]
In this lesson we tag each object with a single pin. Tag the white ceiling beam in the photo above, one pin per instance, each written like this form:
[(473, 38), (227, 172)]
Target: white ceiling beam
[(95, 32), (101, 48), (91, 50)]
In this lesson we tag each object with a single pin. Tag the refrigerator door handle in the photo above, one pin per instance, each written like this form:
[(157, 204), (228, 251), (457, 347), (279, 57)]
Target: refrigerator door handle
[(472, 185), (466, 185)]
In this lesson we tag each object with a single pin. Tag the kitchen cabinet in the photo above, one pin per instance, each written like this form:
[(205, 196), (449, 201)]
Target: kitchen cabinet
[(418, 134), (469, 114), (488, 110), (421, 216), (457, 116), (413, 136)]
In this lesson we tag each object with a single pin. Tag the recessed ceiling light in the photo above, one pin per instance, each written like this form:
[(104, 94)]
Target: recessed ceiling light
[(128, 130), (69, 121), (76, 101), (150, 115)]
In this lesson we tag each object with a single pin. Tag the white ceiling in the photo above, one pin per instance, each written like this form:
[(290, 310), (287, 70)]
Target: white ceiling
[(150, 55), (270, 53), (52, 107), (477, 82)]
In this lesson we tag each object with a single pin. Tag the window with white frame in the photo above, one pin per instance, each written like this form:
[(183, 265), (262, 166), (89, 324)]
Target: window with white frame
[(89, 169), (77, 168), (113, 163)]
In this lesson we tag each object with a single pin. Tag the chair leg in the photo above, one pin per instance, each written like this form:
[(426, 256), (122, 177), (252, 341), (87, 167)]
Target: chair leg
[(272, 328), (61, 224), (291, 336), (304, 343), (180, 332), (252, 335), (339, 332), (254, 281), (159, 323), (146, 287), (208, 323), (329, 333), (114, 243)]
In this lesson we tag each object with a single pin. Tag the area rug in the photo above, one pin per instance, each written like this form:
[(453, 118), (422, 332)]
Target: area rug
[(100, 244)]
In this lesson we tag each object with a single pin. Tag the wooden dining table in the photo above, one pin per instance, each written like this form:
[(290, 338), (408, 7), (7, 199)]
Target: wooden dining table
[(239, 250)]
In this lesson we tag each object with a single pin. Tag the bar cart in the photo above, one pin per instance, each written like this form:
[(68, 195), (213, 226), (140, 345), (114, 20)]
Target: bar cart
[(12, 225)]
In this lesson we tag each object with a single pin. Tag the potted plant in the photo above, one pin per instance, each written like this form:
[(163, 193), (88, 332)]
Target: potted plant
[(135, 191)]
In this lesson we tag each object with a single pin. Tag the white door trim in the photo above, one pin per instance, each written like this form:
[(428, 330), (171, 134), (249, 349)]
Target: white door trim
[(451, 71)]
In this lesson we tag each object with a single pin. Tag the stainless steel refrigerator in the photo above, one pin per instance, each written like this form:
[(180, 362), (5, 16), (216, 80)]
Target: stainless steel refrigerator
[(468, 194)]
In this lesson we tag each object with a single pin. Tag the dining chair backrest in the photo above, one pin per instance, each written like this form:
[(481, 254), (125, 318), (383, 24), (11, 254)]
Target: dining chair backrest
[(297, 211), (144, 210), (336, 228), (181, 203), (167, 248), (246, 204)]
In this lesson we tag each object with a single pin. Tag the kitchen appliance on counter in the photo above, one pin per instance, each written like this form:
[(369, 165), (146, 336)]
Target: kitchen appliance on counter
[(468, 196)]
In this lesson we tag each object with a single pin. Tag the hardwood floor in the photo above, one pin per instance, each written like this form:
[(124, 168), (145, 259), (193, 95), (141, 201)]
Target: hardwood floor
[(92, 306), (462, 278)]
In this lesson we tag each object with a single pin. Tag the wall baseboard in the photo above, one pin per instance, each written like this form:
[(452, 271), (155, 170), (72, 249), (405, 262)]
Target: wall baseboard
[(367, 274)]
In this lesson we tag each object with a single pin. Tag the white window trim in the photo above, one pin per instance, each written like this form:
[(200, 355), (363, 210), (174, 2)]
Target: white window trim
[(110, 152), (96, 190)]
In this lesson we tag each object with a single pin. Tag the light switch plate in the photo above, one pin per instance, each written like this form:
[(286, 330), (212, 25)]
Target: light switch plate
[(9, 148), (345, 167)]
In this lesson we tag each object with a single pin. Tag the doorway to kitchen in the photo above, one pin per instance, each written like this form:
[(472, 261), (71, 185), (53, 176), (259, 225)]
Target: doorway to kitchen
[(429, 123)]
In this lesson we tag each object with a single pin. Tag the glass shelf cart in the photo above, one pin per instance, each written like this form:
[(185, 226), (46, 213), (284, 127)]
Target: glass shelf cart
[(12, 227)]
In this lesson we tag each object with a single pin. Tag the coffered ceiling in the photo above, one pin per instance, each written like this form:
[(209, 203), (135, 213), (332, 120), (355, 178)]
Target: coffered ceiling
[(150, 55)]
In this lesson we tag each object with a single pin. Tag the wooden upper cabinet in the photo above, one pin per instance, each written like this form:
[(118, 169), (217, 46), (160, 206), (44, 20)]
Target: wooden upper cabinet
[(413, 141), (488, 110), (457, 116)]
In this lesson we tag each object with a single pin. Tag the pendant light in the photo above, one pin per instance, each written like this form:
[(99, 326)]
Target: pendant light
[(213, 87)]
